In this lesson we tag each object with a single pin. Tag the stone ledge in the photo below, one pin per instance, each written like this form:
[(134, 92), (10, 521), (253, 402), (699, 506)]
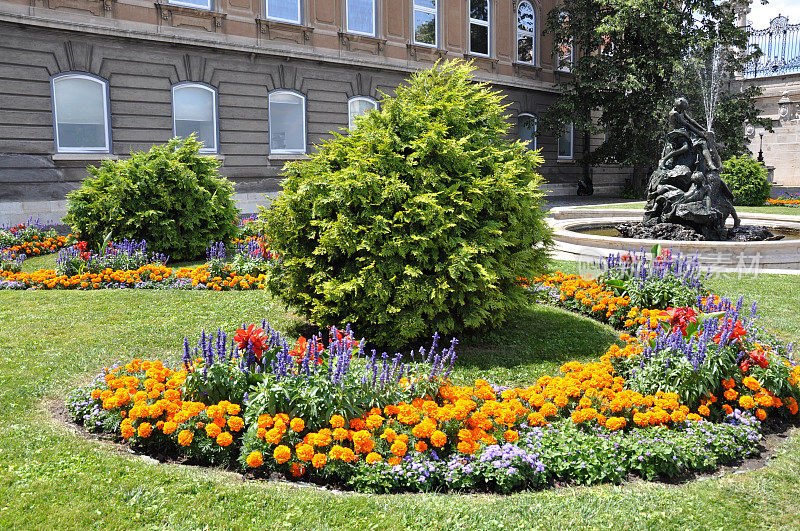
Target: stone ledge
[(83, 156)]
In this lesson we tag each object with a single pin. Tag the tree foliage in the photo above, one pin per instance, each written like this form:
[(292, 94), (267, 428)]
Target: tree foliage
[(628, 68), (422, 219)]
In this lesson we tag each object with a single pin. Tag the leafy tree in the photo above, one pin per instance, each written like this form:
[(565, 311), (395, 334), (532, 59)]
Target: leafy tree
[(628, 56), (422, 219)]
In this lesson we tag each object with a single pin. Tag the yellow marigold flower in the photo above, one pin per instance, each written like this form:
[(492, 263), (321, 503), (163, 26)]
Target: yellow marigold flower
[(751, 383), (282, 453), (224, 438), (127, 431), (297, 425), (255, 459), (145, 429), (373, 457), (185, 438), (747, 402), (337, 421)]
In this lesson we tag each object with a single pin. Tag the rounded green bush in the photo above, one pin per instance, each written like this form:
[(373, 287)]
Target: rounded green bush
[(422, 219), (747, 180), (170, 196)]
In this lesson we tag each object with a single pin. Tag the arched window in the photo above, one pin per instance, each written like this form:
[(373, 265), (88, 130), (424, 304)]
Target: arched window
[(426, 22), (358, 106), (526, 129), (80, 113), (480, 35), (284, 10), (194, 110), (526, 33), (361, 17), (287, 122)]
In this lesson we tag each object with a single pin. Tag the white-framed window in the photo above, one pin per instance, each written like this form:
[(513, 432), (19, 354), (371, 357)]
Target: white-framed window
[(480, 34), (194, 110), (565, 143), (426, 22), (526, 33), (284, 10), (359, 106), (526, 129), (287, 122), (198, 4), (361, 16), (81, 113)]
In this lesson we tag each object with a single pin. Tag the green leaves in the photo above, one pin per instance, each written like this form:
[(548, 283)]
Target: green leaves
[(421, 219), (747, 180)]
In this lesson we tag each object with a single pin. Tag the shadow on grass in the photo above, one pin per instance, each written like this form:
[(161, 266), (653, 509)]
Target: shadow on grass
[(535, 341)]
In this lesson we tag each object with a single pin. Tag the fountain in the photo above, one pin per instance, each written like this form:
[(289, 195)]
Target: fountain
[(689, 209)]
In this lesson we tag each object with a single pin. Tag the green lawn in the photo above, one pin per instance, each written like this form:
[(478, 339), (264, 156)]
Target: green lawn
[(53, 478), (639, 205)]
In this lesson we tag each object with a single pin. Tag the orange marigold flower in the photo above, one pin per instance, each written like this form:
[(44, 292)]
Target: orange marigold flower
[(399, 448), (169, 427), (337, 421), (731, 394), (730, 383), (438, 438), (282, 453), (297, 425), (305, 452), (255, 459), (297, 470), (145, 429), (319, 460), (224, 438), (212, 430), (420, 446), (761, 414), (747, 402), (185, 438), (373, 457), (703, 410), (235, 423), (511, 435)]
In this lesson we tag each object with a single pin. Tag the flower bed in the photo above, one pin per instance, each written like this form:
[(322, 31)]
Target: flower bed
[(333, 414), (788, 200), (31, 238), (127, 264)]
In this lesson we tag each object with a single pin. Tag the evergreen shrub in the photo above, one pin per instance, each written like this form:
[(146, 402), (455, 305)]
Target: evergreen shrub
[(747, 180), (170, 196), (422, 219)]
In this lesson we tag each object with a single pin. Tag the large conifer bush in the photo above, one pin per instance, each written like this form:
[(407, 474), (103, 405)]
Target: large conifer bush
[(422, 219), (170, 196)]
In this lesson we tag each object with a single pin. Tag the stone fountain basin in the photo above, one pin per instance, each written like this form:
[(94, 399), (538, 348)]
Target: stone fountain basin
[(745, 257)]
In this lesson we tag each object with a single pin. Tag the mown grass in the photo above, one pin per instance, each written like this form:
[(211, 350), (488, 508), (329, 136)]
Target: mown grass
[(52, 477), (639, 205)]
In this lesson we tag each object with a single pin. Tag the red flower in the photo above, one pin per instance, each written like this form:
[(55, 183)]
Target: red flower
[(665, 255), (737, 332), (254, 336), (301, 348), (680, 317)]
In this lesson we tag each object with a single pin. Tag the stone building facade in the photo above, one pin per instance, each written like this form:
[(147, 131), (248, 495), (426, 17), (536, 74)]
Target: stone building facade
[(263, 80)]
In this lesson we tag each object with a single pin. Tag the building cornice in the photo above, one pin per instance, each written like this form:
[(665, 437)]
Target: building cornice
[(27, 16)]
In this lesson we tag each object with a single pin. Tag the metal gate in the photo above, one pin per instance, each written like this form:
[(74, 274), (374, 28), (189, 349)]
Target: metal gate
[(780, 46)]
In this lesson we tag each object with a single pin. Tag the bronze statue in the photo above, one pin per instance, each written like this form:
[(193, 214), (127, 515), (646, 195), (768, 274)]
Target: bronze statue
[(686, 189)]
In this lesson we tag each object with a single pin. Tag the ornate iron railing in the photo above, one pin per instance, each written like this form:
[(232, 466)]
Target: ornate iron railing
[(780, 46)]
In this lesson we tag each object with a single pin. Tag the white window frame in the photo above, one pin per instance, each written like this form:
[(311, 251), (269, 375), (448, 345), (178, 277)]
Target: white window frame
[(299, 13), (485, 23), (431, 11), (208, 6), (524, 33), (305, 131), (374, 20), (571, 144), (533, 145), (106, 112), (215, 103), (350, 118)]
